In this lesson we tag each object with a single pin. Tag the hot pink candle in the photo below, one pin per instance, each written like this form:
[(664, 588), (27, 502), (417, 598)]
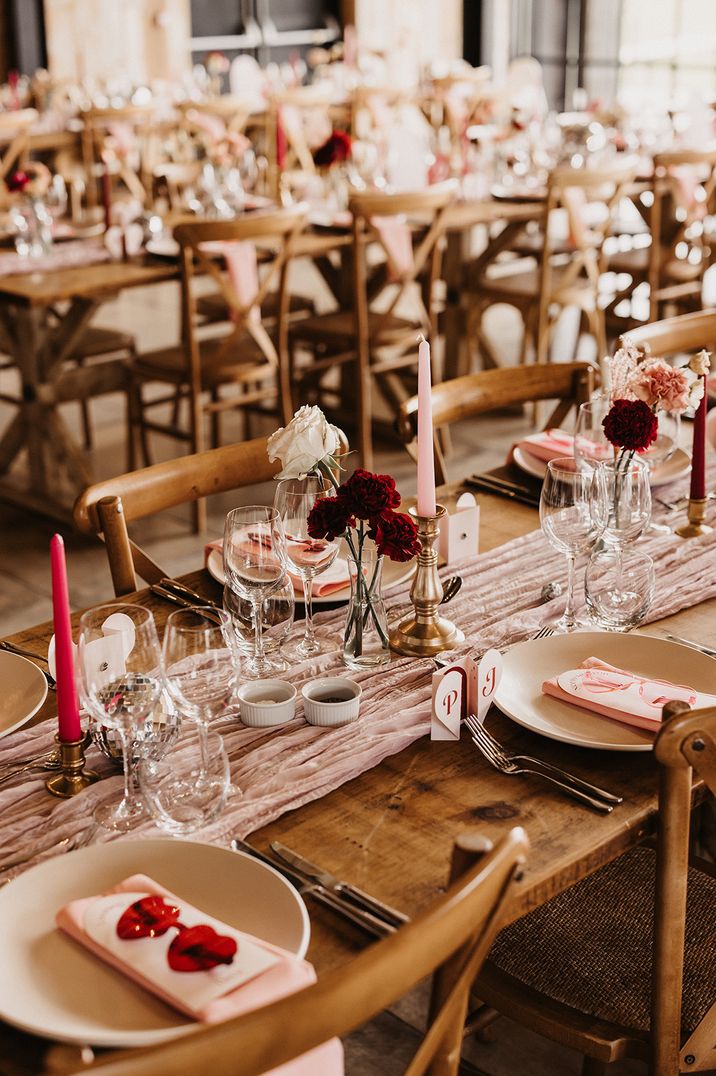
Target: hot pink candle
[(426, 461), (698, 452), (68, 710)]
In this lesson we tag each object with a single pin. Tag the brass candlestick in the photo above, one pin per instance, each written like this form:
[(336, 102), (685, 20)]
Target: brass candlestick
[(426, 632), (696, 513), (72, 777)]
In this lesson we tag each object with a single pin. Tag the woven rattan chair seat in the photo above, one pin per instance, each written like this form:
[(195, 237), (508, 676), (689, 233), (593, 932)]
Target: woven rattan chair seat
[(590, 947)]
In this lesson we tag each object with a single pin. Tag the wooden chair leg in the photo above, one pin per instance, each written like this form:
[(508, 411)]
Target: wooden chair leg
[(215, 421)]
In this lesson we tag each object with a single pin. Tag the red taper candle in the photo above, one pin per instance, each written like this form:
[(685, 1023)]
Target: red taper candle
[(68, 710), (698, 451)]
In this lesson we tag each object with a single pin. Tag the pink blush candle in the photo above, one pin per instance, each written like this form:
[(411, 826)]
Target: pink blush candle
[(698, 451), (68, 710), (426, 460)]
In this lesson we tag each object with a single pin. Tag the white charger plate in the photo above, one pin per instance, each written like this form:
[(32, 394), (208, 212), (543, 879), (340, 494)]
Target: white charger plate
[(673, 469), (394, 572), (24, 689), (52, 986), (527, 665)]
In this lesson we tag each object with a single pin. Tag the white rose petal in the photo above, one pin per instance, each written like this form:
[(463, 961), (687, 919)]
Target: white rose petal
[(701, 363)]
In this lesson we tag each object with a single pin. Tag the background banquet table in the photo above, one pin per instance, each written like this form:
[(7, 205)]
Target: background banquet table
[(390, 829)]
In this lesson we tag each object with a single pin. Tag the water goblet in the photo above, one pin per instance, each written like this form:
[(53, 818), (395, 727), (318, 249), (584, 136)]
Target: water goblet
[(572, 519), (121, 679), (201, 662), (277, 613), (254, 563), (307, 557), (188, 787), (590, 442), (618, 587)]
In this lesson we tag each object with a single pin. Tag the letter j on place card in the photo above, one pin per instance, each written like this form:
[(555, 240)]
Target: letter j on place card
[(489, 674)]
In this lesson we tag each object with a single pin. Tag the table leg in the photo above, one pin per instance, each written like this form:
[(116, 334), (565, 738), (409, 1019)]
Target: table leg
[(28, 330)]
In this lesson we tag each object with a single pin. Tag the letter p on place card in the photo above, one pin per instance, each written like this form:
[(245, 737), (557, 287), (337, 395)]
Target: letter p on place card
[(450, 699)]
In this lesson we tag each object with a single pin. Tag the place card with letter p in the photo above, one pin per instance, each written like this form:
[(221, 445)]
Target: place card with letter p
[(451, 687)]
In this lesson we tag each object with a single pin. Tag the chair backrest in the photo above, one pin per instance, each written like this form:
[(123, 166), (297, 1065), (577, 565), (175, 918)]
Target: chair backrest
[(569, 383), (422, 215), (14, 138), (275, 232), (106, 507), (453, 934), (673, 336), (686, 742), (119, 139)]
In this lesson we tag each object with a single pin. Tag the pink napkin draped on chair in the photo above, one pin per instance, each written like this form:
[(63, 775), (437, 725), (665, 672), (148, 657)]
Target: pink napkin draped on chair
[(396, 237), (285, 974), (242, 267), (621, 695)]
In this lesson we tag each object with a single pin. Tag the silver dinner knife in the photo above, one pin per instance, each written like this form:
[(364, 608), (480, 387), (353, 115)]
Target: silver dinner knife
[(356, 896), (694, 646), (377, 927)]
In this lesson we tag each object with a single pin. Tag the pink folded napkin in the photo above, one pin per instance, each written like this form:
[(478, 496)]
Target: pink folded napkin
[(621, 695), (548, 445), (242, 267), (336, 577), (397, 239), (144, 931)]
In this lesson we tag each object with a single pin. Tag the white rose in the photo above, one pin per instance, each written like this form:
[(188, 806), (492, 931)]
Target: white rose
[(701, 363), (696, 392), (301, 445)]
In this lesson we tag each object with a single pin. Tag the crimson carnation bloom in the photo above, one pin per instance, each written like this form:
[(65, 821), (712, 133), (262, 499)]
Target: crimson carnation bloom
[(18, 181), (631, 424), (330, 517), (335, 149), (371, 494), (395, 535)]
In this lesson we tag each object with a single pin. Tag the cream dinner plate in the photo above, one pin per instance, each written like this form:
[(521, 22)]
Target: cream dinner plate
[(24, 689), (678, 466), (528, 664), (52, 986), (394, 572)]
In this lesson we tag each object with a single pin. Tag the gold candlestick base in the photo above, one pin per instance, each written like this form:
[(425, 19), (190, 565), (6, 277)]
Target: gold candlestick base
[(73, 777), (696, 513), (426, 632)]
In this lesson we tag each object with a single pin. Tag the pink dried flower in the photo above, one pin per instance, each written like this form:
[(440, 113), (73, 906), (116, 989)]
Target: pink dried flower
[(662, 387)]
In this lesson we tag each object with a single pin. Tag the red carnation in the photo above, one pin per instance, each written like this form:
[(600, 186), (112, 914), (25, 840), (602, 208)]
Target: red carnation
[(371, 494), (395, 535), (330, 517), (335, 149), (18, 181), (631, 424)]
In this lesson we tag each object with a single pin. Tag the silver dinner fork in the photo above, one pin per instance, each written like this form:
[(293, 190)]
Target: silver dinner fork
[(595, 798)]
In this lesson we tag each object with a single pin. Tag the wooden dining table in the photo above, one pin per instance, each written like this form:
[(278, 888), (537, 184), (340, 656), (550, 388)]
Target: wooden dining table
[(391, 829)]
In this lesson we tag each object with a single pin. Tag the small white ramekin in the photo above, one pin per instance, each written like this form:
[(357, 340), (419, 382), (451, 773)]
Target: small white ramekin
[(319, 710), (267, 702)]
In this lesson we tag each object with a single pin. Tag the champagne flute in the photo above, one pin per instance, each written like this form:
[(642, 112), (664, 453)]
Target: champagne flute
[(254, 563), (121, 679), (306, 556), (572, 517)]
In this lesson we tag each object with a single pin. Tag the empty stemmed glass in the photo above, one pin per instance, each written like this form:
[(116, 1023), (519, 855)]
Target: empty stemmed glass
[(277, 613), (590, 441), (254, 564), (121, 680), (572, 514), (201, 662), (307, 557)]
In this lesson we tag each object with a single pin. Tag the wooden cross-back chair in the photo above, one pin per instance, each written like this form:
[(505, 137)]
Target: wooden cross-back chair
[(562, 277), (14, 142), (683, 334), (569, 383), (233, 111), (119, 139), (449, 939), (106, 507), (245, 356), (391, 307), (674, 262), (619, 965)]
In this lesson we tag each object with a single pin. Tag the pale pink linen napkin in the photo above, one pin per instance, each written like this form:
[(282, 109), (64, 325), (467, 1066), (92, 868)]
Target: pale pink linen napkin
[(335, 578), (548, 445), (396, 237), (686, 187), (574, 201), (242, 267), (289, 974), (621, 695), (212, 126)]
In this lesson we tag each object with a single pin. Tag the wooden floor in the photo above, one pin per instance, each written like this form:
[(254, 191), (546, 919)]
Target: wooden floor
[(384, 1046)]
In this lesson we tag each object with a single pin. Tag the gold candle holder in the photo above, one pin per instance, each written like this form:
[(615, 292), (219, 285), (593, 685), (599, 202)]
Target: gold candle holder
[(426, 632), (696, 513), (72, 777)]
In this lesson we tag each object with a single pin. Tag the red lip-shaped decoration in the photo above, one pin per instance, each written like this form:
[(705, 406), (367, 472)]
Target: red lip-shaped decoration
[(149, 917), (199, 949)]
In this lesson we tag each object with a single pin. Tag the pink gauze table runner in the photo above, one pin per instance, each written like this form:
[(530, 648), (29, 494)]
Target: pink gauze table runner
[(68, 255), (283, 768)]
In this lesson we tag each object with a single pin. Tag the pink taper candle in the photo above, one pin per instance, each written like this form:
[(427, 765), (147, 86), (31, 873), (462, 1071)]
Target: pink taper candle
[(68, 710), (426, 461), (698, 451)]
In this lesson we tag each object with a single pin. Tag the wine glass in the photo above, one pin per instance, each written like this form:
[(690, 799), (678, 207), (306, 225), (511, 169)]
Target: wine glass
[(254, 563), (121, 679), (572, 515), (590, 442), (626, 503), (278, 611), (201, 662), (307, 557)]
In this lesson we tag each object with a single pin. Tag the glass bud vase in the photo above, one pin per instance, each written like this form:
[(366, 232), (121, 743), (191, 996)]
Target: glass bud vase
[(365, 640)]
